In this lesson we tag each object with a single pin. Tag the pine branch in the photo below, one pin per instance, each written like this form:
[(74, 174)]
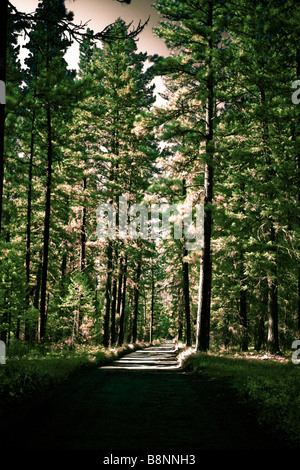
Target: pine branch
[(75, 31)]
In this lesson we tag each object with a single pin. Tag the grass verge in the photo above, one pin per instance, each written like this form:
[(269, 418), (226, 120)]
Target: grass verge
[(30, 373), (269, 387)]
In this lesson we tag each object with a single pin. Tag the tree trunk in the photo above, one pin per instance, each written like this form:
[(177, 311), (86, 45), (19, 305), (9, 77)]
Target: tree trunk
[(260, 337), (298, 303), (273, 335), (298, 195), (243, 306), (28, 228), (186, 288), (38, 282), (152, 303), (136, 302), (123, 301), (113, 313), (273, 338), (180, 322), (105, 339), (186, 294), (83, 231), (120, 284), (3, 47), (203, 337), (115, 295), (46, 228), (129, 319), (243, 318)]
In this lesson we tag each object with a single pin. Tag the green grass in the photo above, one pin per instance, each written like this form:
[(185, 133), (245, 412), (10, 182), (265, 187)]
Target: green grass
[(31, 372), (269, 387)]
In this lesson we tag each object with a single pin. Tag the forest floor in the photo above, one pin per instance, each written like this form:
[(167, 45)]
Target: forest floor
[(143, 402)]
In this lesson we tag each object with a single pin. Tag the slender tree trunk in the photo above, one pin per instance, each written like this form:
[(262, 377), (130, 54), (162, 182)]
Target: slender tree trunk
[(122, 312), (46, 228), (145, 316), (273, 335), (152, 303), (243, 318), (114, 302), (260, 332), (120, 284), (260, 335), (63, 267), (186, 294), (113, 313), (243, 307), (28, 228), (83, 231), (105, 339), (298, 323), (298, 195), (38, 282), (203, 337), (273, 338), (3, 47), (5, 320), (129, 319), (186, 289), (243, 286), (136, 302), (180, 322)]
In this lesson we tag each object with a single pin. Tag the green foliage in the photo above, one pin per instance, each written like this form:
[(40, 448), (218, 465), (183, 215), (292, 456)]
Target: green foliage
[(30, 372), (255, 212), (105, 135), (268, 385)]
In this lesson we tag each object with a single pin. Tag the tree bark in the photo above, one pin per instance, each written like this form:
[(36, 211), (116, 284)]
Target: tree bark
[(186, 294), (28, 227), (273, 338), (43, 314), (186, 288), (3, 47), (243, 306), (203, 337), (273, 335), (243, 318), (180, 321), (152, 302), (298, 322), (136, 302), (105, 339), (298, 195), (260, 336), (113, 313), (123, 302), (83, 230)]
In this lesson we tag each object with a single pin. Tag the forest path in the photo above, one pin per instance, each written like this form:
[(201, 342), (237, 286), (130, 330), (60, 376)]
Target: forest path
[(142, 402)]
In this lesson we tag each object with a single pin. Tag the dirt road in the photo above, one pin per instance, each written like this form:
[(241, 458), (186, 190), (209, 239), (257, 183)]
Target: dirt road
[(143, 402)]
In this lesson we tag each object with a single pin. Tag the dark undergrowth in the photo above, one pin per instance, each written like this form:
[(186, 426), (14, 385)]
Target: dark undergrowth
[(268, 385), (31, 372)]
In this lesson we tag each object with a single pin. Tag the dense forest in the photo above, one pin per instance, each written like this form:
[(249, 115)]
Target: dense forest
[(226, 138)]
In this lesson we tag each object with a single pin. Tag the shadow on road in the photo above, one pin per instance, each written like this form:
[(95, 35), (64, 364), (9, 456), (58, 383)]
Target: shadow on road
[(142, 402)]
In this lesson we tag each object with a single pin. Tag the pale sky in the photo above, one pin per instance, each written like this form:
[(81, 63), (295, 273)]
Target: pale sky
[(101, 13)]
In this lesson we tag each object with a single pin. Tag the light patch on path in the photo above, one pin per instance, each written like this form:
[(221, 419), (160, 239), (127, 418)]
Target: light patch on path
[(155, 358)]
